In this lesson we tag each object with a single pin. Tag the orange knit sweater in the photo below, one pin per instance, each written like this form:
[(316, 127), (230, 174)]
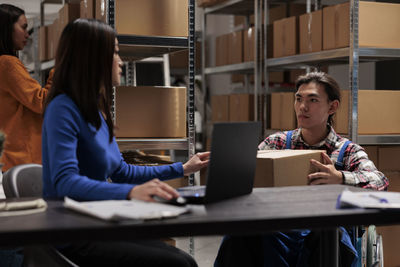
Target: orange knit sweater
[(21, 108)]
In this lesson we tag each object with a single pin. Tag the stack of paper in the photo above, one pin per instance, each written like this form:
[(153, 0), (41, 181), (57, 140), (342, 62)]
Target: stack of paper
[(369, 199), (21, 206), (116, 210)]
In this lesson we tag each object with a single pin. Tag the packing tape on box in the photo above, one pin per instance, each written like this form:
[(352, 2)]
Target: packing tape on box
[(103, 8), (309, 32)]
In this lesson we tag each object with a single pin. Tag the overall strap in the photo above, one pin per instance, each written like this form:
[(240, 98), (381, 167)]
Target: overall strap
[(340, 162), (289, 140)]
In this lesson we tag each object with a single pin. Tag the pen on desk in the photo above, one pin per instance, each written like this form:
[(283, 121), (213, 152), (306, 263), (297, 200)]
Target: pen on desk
[(381, 199)]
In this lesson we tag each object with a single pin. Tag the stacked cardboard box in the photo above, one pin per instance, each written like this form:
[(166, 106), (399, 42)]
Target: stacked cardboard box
[(43, 43), (151, 17), (234, 107), (87, 9), (282, 111), (373, 105), (378, 25), (153, 112), (386, 159), (310, 27), (286, 42)]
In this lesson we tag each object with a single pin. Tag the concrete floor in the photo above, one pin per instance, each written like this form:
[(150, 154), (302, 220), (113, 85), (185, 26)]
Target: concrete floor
[(205, 248)]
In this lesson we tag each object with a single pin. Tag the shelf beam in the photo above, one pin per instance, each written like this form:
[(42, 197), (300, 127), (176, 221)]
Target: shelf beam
[(152, 144)]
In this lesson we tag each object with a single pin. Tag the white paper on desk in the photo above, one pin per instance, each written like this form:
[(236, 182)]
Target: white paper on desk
[(116, 210), (369, 199)]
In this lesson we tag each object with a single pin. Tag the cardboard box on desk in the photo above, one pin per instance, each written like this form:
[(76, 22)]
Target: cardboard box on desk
[(379, 25), (310, 27), (282, 111), (150, 112), (377, 112), (285, 37), (152, 17), (284, 167)]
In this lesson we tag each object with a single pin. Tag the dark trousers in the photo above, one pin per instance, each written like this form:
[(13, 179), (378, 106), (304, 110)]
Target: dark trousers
[(128, 253)]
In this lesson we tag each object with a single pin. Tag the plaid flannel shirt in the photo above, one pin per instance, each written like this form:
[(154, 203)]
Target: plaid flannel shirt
[(358, 169)]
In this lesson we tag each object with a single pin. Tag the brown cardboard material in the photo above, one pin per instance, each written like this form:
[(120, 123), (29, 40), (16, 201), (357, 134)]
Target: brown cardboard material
[(248, 44), (68, 13), (372, 152), (394, 180), (100, 10), (390, 239), (378, 25), (235, 47), (373, 105), (310, 26), (284, 167), (179, 60), (241, 107), (220, 108), (148, 111), (221, 51), (391, 234), (282, 111), (87, 9), (388, 158), (53, 37), (43, 43), (152, 17), (285, 38), (282, 11)]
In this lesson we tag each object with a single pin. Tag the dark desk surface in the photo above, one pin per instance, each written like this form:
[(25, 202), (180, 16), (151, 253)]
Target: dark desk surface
[(266, 209)]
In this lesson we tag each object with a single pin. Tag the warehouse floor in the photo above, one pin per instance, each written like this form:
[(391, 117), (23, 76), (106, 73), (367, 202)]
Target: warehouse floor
[(205, 248)]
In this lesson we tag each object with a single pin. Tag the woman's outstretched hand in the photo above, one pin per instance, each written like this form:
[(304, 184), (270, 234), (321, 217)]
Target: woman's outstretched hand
[(196, 163)]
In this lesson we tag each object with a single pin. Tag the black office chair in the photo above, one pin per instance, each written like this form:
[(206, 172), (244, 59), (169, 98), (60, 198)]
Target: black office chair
[(25, 180)]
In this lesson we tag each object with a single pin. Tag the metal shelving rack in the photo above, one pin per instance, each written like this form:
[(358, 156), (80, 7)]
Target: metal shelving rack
[(40, 67), (235, 7), (134, 48), (138, 47), (351, 55)]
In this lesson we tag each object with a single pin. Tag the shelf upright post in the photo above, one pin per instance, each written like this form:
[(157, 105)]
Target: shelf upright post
[(353, 71), (203, 76), (266, 76), (257, 58), (190, 95), (190, 91)]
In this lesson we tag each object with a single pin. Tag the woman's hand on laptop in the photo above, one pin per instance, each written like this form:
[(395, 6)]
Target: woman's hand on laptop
[(152, 188), (196, 163)]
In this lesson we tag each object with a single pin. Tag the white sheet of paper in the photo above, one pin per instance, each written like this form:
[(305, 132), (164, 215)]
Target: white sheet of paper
[(116, 210)]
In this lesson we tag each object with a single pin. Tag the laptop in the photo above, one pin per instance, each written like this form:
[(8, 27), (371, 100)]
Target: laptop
[(232, 164)]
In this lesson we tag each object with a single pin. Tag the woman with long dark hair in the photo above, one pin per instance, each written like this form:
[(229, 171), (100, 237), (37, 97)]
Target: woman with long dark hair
[(21, 97), (80, 152)]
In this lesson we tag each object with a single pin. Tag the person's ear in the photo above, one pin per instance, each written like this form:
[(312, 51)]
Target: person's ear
[(333, 106)]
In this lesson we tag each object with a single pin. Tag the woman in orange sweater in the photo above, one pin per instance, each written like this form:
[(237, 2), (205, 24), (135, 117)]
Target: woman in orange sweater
[(21, 96)]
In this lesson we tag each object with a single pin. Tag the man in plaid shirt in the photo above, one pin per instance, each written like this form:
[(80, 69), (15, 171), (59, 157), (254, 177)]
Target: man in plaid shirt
[(358, 169), (316, 101)]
